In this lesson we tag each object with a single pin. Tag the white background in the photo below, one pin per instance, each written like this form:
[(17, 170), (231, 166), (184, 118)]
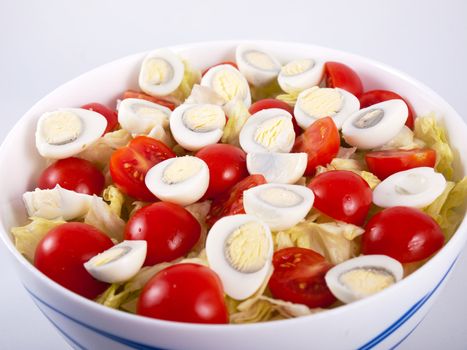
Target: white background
[(45, 43)]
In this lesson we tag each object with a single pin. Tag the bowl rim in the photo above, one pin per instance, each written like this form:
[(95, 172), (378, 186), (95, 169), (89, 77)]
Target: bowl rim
[(456, 239)]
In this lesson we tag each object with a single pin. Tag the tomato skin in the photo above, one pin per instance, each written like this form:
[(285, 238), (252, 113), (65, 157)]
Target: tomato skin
[(184, 293), (129, 165), (403, 233), (375, 96), (342, 195), (141, 95), (169, 230), (231, 203), (227, 166), (109, 114), (73, 174), (339, 75), (320, 141), (233, 64), (273, 103), (386, 163), (60, 255), (298, 277)]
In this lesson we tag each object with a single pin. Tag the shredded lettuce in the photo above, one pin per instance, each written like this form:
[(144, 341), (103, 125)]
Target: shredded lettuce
[(404, 140), (204, 94), (200, 212), (27, 237), (101, 216), (238, 114), (191, 76), (115, 198), (290, 98), (162, 134), (265, 91)]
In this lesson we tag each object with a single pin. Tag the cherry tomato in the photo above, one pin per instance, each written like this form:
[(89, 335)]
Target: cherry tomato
[(231, 203), (273, 103), (320, 141), (375, 96), (74, 174), (184, 293), (342, 195), (406, 234), (110, 115), (60, 255), (385, 163), (141, 95), (298, 277), (227, 166), (129, 165), (339, 75), (233, 64), (169, 230)]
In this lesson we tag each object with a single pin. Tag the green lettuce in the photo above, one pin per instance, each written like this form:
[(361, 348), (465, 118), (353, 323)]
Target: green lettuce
[(238, 114), (115, 199), (289, 98)]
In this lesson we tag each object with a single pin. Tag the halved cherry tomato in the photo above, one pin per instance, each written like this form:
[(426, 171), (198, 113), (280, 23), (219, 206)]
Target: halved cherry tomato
[(386, 163), (339, 75), (233, 64), (141, 95), (227, 166), (169, 230), (184, 293), (342, 195), (109, 114), (375, 96), (60, 255), (406, 234), (320, 141), (231, 202), (273, 103), (129, 165), (298, 277), (74, 174)]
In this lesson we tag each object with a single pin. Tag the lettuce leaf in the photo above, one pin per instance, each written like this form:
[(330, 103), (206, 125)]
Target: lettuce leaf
[(191, 76), (267, 91), (115, 198), (101, 216), (200, 211), (404, 140), (238, 114), (204, 94), (290, 98)]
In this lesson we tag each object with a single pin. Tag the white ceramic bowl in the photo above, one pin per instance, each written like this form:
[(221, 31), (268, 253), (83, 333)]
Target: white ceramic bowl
[(380, 321)]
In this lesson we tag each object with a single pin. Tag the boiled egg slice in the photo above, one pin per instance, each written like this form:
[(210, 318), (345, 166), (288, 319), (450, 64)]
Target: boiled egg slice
[(239, 249), (269, 130), (315, 103), (67, 131), (227, 82), (280, 206), (283, 168), (194, 126), (375, 125), (139, 116), (181, 180), (299, 75), (363, 276), (161, 73), (257, 66), (417, 187), (119, 263)]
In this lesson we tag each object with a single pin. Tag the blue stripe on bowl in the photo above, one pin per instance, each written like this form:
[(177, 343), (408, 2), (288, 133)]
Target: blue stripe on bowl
[(135, 345)]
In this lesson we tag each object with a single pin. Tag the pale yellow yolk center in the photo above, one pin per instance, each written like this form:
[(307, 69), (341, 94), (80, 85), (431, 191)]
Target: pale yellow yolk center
[(274, 131), (367, 281), (181, 169), (369, 119), (260, 60), (156, 116), (321, 102), (297, 67), (61, 127), (280, 197), (228, 84), (158, 71), (204, 118)]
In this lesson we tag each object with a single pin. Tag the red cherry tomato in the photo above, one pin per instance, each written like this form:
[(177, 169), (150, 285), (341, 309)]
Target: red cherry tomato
[(320, 141), (169, 230), (129, 165), (298, 277), (385, 163), (231, 203), (339, 75), (60, 255), (233, 64), (375, 96), (184, 293), (342, 195), (74, 174), (227, 166), (141, 95), (404, 233), (109, 114), (273, 103)]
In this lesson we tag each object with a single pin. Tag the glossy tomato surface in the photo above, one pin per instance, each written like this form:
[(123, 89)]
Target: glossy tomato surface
[(273, 103), (142, 96), (406, 234), (60, 255), (74, 174), (298, 277), (129, 165), (169, 230), (339, 75), (109, 114), (184, 293)]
